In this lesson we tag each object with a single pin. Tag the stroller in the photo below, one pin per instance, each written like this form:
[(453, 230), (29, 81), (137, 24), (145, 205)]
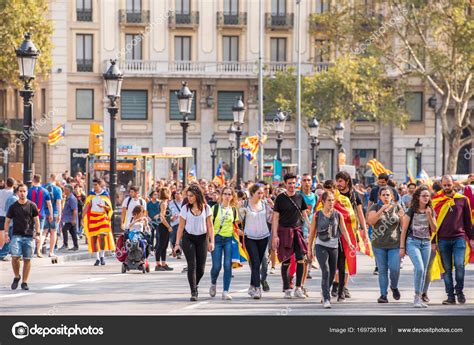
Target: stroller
[(133, 250)]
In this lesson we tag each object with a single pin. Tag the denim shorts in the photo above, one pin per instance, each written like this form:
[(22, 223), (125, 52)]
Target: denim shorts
[(22, 246), (53, 225)]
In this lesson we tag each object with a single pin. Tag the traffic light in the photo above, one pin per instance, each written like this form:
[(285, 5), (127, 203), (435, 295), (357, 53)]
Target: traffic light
[(96, 138)]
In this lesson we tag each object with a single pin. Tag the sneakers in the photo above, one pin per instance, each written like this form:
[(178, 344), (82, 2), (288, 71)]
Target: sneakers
[(39, 255), (450, 301), (257, 293), (102, 260), (288, 294), (194, 297), (73, 249), (15, 282), (226, 296), (272, 271), (347, 294), (265, 285), (97, 262), (418, 303), (382, 299), (251, 291), (341, 298), (167, 268), (334, 289), (327, 304), (212, 290), (376, 271), (24, 286), (424, 298), (396, 294), (461, 298), (299, 293), (309, 276), (185, 269), (159, 268), (305, 291)]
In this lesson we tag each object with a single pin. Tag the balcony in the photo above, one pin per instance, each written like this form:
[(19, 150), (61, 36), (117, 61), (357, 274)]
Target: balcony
[(84, 65), (134, 17), (279, 21), (150, 68), (183, 20), (231, 20), (84, 14)]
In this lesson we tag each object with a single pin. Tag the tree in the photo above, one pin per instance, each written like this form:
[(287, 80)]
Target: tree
[(431, 40), (17, 18)]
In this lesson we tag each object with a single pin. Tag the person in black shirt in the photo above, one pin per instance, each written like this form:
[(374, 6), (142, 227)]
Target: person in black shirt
[(26, 228), (289, 213), (382, 181)]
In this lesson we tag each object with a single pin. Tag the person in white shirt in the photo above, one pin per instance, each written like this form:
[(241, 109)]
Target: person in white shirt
[(4, 195), (129, 204)]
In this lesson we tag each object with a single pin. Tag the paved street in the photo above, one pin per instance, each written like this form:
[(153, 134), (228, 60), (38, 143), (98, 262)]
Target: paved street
[(79, 288)]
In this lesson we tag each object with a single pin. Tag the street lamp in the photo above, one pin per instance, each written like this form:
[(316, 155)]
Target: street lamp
[(27, 55), (418, 152), (113, 84), (213, 144), (238, 112), (185, 102), (279, 121), (339, 136), (313, 134), (232, 139), (432, 102)]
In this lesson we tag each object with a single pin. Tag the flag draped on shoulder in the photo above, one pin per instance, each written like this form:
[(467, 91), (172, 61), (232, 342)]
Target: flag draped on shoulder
[(378, 168), (56, 134), (98, 223)]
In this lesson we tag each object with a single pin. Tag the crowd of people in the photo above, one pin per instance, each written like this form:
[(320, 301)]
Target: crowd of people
[(298, 225)]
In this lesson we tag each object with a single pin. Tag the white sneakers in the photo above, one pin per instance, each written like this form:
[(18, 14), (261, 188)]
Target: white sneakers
[(212, 290), (299, 293), (251, 291), (257, 293), (418, 302), (288, 293), (327, 304), (226, 296), (272, 271)]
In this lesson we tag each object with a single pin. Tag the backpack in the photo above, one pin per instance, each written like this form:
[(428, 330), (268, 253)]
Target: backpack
[(216, 211)]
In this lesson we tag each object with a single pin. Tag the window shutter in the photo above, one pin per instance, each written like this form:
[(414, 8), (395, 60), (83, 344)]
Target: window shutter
[(134, 104)]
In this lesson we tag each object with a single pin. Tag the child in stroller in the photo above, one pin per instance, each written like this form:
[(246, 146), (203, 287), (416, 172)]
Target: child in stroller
[(137, 242)]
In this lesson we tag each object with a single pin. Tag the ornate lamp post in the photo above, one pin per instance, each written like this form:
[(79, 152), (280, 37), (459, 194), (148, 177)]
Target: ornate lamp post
[(185, 102), (232, 140), (238, 112), (313, 134), (279, 121), (213, 144), (419, 152), (339, 136)]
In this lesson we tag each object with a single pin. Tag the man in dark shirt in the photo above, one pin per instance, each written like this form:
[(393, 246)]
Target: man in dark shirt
[(289, 213), (452, 233), (26, 227), (382, 181)]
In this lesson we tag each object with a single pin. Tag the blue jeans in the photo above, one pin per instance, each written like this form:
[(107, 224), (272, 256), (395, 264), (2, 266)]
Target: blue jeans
[(387, 259), (22, 246), (6, 247), (448, 249), (223, 245), (419, 252)]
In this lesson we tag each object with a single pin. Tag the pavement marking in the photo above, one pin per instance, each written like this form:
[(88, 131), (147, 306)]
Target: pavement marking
[(21, 294), (243, 290), (89, 280), (193, 306), (57, 287)]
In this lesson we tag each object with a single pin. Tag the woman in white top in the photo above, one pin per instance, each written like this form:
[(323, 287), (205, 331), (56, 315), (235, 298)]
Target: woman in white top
[(256, 236), (197, 231)]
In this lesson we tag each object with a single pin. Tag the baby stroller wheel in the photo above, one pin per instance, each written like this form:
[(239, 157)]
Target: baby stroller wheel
[(124, 268)]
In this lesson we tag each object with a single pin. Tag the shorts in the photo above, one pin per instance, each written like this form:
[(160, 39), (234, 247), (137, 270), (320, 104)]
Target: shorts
[(41, 224), (2, 223), (22, 246), (53, 225)]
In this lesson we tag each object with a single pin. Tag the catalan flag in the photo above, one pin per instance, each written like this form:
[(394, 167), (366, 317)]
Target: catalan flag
[(192, 174), (97, 225), (410, 178), (56, 134), (220, 175), (378, 168), (251, 145)]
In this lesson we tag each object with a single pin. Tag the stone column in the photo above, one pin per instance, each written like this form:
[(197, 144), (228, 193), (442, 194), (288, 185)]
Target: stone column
[(158, 104)]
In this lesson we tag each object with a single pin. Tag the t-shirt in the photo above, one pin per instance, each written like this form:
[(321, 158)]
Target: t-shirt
[(374, 194), (131, 206), (23, 218), (68, 210), (195, 224), (4, 195), (310, 201), (420, 226), (175, 207), (289, 214), (153, 209), (57, 195), (406, 200), (256, 221), (324, 223), (386, 232), (227, 216), (354, 198), (39, 195)]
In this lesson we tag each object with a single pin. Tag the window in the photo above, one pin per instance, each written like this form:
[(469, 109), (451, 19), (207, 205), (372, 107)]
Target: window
[(183, 7), (231, 7), (182, 48), (278, 49), (174, 108), (43, 102), (322, 6), (84, 52), (323, 51), (411, 162), (414, 105), (84, 104), (225, 101), (278, 7), (360, 159), (84, 10), (134, 104), (133, 47), (134, 6), (230, 48), (325, 164)]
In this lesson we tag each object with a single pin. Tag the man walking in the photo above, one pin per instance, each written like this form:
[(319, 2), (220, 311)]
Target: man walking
[(52, 227), (26, 227), (129, 204), (69, 218)]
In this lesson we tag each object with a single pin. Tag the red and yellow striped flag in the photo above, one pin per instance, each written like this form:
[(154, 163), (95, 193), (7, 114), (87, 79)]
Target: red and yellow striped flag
[(56, 134), (378, 168)]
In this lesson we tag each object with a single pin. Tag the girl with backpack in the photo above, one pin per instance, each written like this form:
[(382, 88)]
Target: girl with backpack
[(415, 240), (327, 227), (224, 216)]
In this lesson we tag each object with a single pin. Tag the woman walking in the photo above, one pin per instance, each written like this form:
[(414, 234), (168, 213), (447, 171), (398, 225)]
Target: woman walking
[(197, 232), (175, 206), (153, 209), (164, 230), (385, 219), (327, 227), (417, 225), (224, 216), (255, 226)]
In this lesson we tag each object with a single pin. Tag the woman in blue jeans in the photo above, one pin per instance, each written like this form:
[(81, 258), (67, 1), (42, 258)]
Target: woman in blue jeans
[(224, 216), (417, 225), (385, 217)]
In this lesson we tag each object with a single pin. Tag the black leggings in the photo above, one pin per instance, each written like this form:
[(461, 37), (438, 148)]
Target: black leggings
[(195, 251), (299, 256), (327, 259), (162, 245), (256, 250), (341, 268)]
